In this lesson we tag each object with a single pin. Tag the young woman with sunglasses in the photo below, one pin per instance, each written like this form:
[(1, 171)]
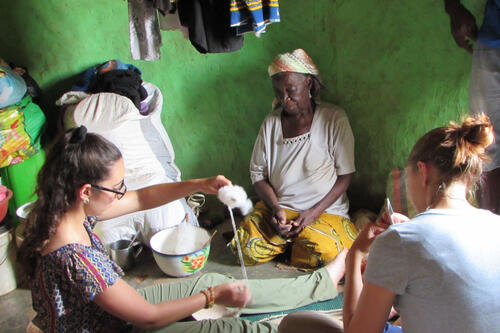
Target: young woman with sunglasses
[(76, 287)]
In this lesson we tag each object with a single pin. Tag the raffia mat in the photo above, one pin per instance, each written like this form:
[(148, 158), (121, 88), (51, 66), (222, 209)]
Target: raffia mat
[(287, 267)]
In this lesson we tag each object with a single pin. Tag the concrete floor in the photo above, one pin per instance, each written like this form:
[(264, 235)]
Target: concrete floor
[(16, 311)]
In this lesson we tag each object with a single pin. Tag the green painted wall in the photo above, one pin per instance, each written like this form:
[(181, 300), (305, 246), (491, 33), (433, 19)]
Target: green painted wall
[(392, 65)]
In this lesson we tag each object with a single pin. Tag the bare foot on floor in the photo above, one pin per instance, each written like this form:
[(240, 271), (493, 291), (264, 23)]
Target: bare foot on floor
[(336, 268)]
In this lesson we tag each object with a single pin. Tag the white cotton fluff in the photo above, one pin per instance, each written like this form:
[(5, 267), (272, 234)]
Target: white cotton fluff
[(234, 196), (185, 238)]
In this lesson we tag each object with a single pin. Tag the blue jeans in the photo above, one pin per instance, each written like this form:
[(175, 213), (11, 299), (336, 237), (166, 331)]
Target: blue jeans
[(392, 329)]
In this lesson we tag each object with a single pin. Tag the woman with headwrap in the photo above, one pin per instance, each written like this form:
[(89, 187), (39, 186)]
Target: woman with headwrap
[(301, 167)]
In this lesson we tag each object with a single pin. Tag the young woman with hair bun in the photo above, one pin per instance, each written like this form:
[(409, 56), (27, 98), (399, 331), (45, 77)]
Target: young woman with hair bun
[(441, 269)]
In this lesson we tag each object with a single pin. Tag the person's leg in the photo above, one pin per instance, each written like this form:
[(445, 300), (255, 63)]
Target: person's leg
[(182, 288), (310, 322), (235, 325), (259, 242), (320, 242), (488, 192), (484, 97), (273, 295), (268, 295), (187, 287)]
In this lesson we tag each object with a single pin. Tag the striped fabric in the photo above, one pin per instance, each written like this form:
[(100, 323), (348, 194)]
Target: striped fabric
[(331, 308), (253, 15), (397, 192)]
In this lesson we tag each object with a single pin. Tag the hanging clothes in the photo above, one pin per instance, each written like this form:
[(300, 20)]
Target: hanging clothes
[(165, 6), (171, 21), (209, 27), (144, 30), (253, 15)]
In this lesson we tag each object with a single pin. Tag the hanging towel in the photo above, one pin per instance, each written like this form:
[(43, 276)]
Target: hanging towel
[(145, 38), (253, 15), (209, 25)]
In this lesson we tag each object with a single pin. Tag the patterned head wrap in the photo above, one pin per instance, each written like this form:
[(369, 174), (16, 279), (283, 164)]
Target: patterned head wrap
[(298, 62)]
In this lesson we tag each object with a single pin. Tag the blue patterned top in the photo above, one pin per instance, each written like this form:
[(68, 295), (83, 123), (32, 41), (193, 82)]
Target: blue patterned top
[(65, 283)]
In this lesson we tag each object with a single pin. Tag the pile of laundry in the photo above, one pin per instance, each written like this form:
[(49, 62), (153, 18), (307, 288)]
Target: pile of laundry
[(114, 76), (212, 26), (21, 120)]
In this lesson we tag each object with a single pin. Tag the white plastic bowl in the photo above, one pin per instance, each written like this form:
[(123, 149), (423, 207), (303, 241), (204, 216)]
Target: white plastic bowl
[(23, 211), (180, 264)]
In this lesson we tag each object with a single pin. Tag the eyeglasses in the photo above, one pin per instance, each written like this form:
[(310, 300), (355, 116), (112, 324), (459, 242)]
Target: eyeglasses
[(119, 194)]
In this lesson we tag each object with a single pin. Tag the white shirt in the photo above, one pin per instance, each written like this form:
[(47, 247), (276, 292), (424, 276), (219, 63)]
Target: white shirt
[(303, 169)]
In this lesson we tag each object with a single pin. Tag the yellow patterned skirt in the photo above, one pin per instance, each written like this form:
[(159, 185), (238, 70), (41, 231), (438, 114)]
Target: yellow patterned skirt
[(314, 246)]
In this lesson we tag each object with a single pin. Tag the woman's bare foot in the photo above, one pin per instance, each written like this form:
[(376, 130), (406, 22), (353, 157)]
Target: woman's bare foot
[(336, 268)]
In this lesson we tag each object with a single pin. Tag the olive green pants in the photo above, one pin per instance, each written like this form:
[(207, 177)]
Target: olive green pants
[(267, 296)]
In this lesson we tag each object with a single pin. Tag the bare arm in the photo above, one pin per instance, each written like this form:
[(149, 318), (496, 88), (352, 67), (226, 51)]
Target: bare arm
[(266, 192), (123, 301), (157, 195), (308, 216), (366, 307), (372, 309), (462, 24)]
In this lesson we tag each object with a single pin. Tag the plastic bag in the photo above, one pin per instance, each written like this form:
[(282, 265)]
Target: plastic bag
[(12, 87), (20, 130)]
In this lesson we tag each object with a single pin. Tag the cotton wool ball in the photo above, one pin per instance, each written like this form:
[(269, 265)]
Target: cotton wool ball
[(185, 238), (234, 196), (246, 207)]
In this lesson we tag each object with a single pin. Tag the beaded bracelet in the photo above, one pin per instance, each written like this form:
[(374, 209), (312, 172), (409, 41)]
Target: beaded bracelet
[(210, 297)]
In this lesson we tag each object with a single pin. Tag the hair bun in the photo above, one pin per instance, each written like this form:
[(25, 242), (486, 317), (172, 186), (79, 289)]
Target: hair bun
[(473, 136), (477, 130), (78, 135)]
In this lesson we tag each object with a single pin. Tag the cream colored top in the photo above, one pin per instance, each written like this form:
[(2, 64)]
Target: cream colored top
[(303, 169)]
